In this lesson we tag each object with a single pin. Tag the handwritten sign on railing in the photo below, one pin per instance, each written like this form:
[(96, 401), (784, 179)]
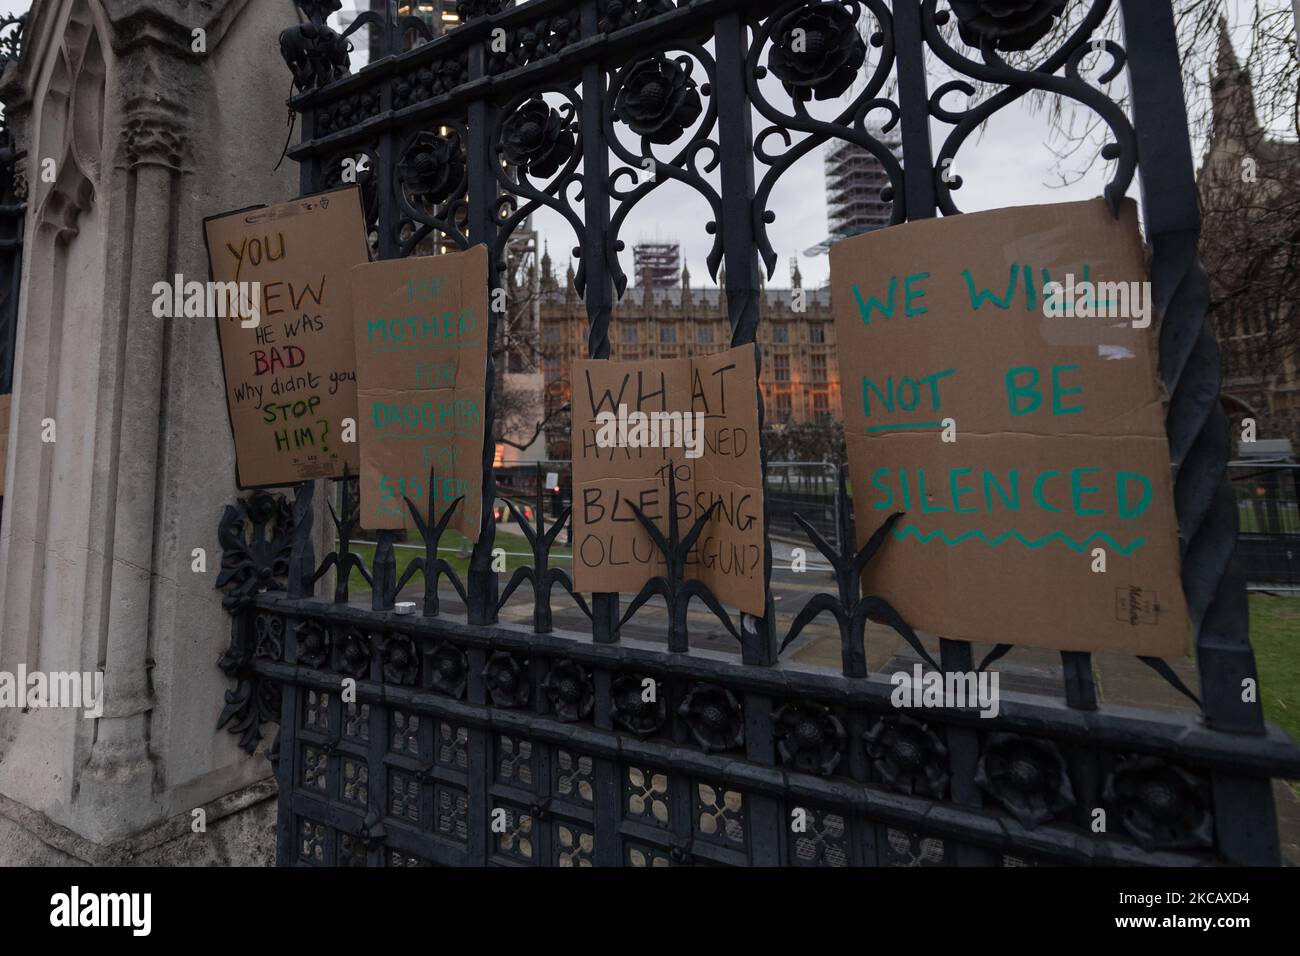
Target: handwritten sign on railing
[(289, 371), (631, 422), (1000, 389), (420, 334)]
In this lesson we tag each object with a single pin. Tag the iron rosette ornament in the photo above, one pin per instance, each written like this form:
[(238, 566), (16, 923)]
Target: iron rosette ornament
[(561, 31), (353, 653), (570, 691), (431, 185), (714, 717), (401, 660), (1008, 25), (432, 170), (809, 738), (450, 667), (630, 708), (470, 9), (658, 99), (507, 680), (817, 51), (618, 14), (537, 139), (1026, 776), (908, 756), (313, 643), (1160, 805)]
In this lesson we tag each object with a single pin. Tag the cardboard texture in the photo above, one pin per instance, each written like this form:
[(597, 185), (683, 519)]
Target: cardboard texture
[(421, 344), (1060, 443), (5, 405), (291, 381), (612, 551)]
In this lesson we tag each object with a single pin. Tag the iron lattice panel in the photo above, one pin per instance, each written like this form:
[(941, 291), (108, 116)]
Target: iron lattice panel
[(429, 772)]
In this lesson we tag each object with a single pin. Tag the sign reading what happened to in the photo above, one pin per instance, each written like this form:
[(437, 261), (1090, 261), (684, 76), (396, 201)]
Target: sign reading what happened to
[(421, 344), (1021, 434), (630, 421), (291, 377)]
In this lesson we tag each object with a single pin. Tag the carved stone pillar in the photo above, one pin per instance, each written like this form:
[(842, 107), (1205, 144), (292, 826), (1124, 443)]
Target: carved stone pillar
[(148, 135)]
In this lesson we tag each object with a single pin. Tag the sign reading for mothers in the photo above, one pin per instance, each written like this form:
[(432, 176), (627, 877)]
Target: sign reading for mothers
[(632, 421), (421, 343), (289, 371), (1000, 389)]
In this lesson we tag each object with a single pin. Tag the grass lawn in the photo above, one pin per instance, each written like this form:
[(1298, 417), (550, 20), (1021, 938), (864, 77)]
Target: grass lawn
[(1275, 634), (454, 545), (1255, 517)]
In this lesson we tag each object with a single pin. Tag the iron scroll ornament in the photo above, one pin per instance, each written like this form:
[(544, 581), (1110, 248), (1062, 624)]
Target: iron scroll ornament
[(256, 535), (659, 99), (815, 69), (1015, 83)]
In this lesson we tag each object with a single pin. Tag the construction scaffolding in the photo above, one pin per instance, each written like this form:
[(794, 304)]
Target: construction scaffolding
[(657, 264), (854, 181)]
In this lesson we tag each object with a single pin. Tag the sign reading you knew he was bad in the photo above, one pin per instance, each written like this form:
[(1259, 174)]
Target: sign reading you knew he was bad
[(291, 379), (420, 330), (1059, 448), (611, 550)]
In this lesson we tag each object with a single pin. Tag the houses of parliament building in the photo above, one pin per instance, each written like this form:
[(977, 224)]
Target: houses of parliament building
[(662, 316)]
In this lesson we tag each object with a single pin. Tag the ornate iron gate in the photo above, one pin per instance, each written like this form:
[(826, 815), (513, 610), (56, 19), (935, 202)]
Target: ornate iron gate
[(475, 742)]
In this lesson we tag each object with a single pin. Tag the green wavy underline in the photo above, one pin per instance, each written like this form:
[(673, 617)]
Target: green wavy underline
[(1079, 546)]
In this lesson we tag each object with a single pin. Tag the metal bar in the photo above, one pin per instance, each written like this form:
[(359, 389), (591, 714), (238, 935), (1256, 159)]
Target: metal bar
[(914, 98), (482, 224), (964, 754), (598, 294), (744, 286), (1246, 829)]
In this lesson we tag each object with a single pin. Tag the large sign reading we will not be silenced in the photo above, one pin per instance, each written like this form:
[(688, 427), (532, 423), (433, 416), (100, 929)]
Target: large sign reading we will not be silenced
[(420, 332), (291, 378), (1059, 447)]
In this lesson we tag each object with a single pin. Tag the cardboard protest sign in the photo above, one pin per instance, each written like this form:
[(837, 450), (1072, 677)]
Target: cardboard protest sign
[(1000, 389), (420, 334), (291, 378), (630, 420), (5, 404)]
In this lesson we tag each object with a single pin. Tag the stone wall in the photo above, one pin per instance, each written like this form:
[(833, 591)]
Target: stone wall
[(130, 136)]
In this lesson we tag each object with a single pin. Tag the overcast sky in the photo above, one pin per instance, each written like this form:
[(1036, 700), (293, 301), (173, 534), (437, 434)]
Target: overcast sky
[(1011, 164)]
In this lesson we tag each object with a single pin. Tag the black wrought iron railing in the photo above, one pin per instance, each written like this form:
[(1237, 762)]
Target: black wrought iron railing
[(449, 738), (1268, 507)]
